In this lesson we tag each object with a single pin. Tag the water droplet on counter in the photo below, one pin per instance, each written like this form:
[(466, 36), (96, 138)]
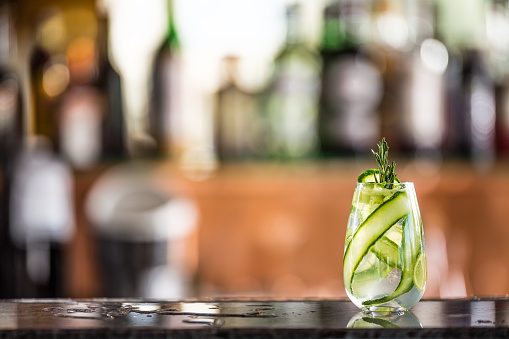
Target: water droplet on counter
[(204, 321), (53, 309)]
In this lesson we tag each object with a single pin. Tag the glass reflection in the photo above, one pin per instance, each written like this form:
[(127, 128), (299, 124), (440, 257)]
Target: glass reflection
[(392, 320)]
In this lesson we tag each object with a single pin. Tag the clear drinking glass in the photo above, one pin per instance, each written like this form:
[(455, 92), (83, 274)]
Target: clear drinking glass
[(384, 266)]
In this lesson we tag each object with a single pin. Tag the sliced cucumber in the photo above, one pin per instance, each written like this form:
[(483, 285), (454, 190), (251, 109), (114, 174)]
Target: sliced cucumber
[(407, 278), (368, 176), (387, 251), (371, 230)]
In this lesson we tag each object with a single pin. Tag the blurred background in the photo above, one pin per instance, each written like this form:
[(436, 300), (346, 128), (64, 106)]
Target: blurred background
[(190, 148)]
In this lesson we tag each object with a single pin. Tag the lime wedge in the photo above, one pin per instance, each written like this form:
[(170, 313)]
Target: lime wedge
[(369, 176), (420, 272), (371, 230)]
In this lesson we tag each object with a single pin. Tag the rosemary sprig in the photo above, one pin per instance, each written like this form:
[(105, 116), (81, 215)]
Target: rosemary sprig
[(387, 174)]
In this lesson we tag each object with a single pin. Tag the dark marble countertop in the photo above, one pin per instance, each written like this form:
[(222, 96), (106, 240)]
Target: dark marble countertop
[(247, 318)]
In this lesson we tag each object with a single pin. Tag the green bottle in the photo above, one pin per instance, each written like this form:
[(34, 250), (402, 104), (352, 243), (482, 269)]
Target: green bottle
[(165, 90), (291, 105)]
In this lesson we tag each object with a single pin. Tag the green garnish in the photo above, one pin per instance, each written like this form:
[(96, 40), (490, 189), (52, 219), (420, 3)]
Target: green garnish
[(386, 172)]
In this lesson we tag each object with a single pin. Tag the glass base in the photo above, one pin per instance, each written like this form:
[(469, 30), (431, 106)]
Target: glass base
[(383, 311)]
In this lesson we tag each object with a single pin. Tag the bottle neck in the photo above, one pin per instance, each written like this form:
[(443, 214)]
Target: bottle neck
[(355, 16), (172, 39), (103, 39), (230, 67), (462, 23), (421, 21), (332, 36), (293, 36), (346, 24), (5, 32)]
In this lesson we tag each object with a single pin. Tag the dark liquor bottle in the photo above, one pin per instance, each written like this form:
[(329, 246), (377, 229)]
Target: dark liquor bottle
[(91, 111), (502, 118), (44, 102), (40, 209), (478, 103), (497, 31), (352, 83), (471, 88), (291, 104), (11, 143), (236, 118), (108, 81), (41, 221), (81, 108), (165, 108)]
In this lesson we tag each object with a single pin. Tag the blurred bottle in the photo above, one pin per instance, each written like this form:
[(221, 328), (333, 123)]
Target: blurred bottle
[(110, 85), (454, 132), (479, 109), (81, 109), (165, 104), (291, 105), (11, 143), (425, 90), (471, 88), (11, 118), (497, 31), (49, 78), (41, 211), (90, 112), (393, 43), (352, 84), (11, 113), (497, 37), (236, 120)]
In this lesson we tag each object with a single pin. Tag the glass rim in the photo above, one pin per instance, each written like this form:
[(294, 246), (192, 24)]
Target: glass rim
[(403, 183)]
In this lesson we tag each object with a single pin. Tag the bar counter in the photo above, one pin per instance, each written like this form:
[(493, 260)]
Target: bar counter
[(247, 318)]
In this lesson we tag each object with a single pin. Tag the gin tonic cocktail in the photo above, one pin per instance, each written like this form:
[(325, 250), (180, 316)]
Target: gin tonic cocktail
[(384, 267)]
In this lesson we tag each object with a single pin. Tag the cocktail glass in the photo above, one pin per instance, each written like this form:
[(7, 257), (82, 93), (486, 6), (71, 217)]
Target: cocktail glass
[(384, 266)]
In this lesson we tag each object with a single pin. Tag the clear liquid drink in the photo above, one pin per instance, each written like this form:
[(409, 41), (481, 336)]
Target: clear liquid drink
[(384, 265)]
